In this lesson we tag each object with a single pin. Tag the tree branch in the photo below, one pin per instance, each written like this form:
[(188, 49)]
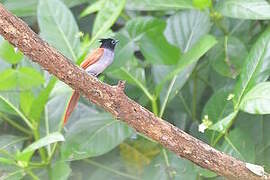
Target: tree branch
[(113, 100)]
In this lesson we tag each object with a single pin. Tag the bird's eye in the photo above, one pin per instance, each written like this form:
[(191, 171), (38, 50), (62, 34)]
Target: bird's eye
[(113, 42)]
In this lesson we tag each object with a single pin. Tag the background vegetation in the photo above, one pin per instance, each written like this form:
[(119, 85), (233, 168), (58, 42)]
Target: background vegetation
[(199, 64)]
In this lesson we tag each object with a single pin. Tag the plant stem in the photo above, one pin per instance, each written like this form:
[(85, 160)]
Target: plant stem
[(47, 129), (194, 96), (165, 155), (185, 104), (32, 175), (15, 125), (154, 106), (167, 96), (41, 150)]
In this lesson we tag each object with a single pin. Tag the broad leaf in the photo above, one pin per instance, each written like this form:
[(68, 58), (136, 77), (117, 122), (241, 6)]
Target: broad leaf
[(39, 103), (26, 101), (245, 9), (106, 17), (71, 3), (193, 55), (217, 108), (148, 33), (11, 143), (23, 78), (8, 53), (8, 108), (255, 65), (257, 100), (29, 7), (92, 8), (60, 170), (58, 27), (129, 37), (22, 8), (109, 165), (223, 124), (183, 29), (227, 56), (156, 5), (202, 4), (138, 153), (156, 49), (169, 166), (49, 139), (93, 136), (239, 145)]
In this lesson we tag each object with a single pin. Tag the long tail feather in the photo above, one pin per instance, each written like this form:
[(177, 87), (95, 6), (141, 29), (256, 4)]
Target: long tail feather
[(71, 105)]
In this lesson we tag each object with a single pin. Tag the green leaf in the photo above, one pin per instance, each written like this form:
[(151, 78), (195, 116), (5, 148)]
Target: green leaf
[(7, 107), (58, 27), (135, 76), (71, 3), (156, 49), (29, 7), (202, 4), (148, 34), (216, 109), (183, 29), (130, 35), (7, 53), (21, 8), (227, 56), (245, 9), (26, 101), (93, 136), (156, 5), (39, 103), (257, 100), (193, 55), (49, 139), (169, 166), (11, 143), (23, 78), (223, 124), (106, 17), (218, 106), (239, 145), (109, 165), (60, 170), (254, 67), (138, 153), (94, 7)]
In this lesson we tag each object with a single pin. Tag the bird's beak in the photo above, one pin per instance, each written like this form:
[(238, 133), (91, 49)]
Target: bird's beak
[(116, 41)]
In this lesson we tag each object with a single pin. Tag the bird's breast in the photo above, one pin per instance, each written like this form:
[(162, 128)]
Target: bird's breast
[(105, 60)]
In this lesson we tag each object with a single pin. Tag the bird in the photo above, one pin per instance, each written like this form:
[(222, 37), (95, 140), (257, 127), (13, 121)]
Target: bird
[(94, 64)]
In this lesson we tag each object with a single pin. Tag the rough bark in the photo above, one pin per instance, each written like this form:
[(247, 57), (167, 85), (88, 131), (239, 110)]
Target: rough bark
[(114, 100)]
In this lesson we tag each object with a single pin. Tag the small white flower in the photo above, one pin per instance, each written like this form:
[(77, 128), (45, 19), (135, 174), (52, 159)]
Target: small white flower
[(202, 127), (206, 123), (230, 97)]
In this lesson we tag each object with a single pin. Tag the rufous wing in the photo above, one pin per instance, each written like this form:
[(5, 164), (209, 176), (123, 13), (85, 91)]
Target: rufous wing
[(92, 58)]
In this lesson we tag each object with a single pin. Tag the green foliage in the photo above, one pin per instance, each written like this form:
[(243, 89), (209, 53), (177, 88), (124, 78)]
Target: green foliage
[(203, 65), (245, 9)]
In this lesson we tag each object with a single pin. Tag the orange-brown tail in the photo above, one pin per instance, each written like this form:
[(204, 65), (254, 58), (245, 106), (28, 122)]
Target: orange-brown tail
[(71, 105)]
